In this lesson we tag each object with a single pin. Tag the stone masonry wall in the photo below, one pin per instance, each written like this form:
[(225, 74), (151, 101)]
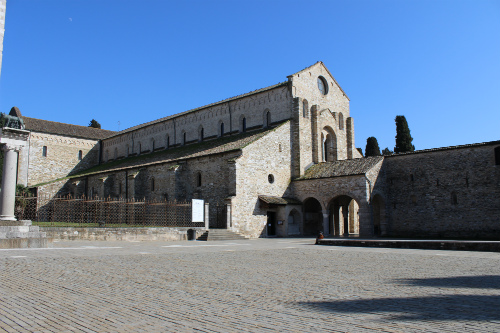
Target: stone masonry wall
[(326, 190), (443, 193), (270, 155), (62, 157), (335, 103), (171, 132), (170, 181)]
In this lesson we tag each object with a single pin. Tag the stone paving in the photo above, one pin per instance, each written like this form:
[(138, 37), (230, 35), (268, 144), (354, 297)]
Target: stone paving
[(266, 285)]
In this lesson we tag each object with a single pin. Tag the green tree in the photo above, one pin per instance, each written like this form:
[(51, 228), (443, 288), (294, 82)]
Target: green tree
[(403, 136), (94, 123), (387, 152), (372, 148)]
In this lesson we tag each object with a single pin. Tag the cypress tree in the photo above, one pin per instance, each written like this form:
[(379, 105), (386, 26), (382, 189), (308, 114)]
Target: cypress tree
[(403, 136), (94, 123), (387, 152), (372, 148)]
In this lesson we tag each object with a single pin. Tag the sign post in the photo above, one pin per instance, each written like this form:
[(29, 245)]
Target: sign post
[(198, 210)]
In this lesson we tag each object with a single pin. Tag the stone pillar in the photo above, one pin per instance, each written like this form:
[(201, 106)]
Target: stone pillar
[(345, 219), (9, 180), (326, 222), (207, 216), (131, 185)]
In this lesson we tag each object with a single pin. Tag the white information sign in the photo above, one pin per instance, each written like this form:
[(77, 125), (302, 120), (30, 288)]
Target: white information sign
[(198, 210)]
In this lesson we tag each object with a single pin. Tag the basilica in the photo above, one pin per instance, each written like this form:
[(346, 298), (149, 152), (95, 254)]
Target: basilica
[(277, 161)]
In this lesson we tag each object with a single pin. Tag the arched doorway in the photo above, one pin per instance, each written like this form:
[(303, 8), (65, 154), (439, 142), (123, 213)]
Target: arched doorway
[(313, 217), (294, 223), (378, 206), (344, 216), (328, 145)]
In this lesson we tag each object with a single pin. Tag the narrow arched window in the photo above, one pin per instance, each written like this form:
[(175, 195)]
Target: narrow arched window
[(44, 151), (454, 198), (244, 125), (167, 142), (305, 108), (268, 119), (80, 155), (184, 138), (152, 145), (198, 179), (152, 184), (221, 129), (202, 133), (325, 149)]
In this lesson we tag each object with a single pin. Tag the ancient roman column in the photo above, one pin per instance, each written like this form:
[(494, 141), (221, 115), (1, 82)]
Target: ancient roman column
[(8, 194)]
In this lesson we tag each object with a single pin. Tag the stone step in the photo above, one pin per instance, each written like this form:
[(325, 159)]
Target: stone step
[(220, 235), (21, 243), (34, 234), (19, 229)]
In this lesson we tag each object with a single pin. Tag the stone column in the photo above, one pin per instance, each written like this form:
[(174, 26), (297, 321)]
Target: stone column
[(9, 180), (345, 216), (326, 222), (207, 216)]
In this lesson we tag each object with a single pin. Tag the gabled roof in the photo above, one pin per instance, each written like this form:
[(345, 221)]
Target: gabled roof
[(130, 129), (273, 200), (358, 166), (53, 127), (321, 62), (225, 144)]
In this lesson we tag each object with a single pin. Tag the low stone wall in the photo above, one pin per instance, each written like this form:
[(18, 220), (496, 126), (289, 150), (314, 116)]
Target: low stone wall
[(119, 234)]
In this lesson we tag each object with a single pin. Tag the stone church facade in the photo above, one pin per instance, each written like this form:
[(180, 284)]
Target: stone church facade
[(278, 161)]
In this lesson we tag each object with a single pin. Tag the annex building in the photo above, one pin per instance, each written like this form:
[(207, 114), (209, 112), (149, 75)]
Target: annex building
[(277, 161)]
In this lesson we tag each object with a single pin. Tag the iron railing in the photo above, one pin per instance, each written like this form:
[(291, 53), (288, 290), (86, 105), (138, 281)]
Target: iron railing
[(104, 212)]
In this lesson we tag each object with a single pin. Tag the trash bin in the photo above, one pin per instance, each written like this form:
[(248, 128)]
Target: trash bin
[(191, 234)]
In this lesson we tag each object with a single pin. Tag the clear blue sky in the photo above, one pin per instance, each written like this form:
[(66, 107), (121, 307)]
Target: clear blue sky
[(436, 62)]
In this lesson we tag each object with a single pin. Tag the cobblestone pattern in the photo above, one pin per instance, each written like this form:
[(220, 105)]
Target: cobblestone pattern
[(252, 286)]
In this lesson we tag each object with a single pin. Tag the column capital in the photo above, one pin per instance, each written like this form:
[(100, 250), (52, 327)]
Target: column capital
[(8, 146)]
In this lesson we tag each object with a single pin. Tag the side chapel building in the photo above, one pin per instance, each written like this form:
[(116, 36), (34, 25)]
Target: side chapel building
[(278, 161)]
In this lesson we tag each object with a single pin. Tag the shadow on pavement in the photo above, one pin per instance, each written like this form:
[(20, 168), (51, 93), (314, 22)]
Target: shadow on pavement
[(445, 307), (482, 282)]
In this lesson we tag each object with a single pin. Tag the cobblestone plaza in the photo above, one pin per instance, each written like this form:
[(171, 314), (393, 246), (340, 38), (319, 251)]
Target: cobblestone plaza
[(265, 285)]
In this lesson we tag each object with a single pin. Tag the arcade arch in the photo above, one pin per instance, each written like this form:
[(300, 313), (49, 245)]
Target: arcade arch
[(313, 217), (343, 216), (379, 219), (328, 145)]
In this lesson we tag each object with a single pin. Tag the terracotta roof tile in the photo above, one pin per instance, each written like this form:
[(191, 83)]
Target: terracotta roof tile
[(353, 167), (217, 146), (52, 127), (272, 200)]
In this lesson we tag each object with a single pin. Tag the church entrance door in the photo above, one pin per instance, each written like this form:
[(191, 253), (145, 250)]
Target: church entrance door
[(271, 223)]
